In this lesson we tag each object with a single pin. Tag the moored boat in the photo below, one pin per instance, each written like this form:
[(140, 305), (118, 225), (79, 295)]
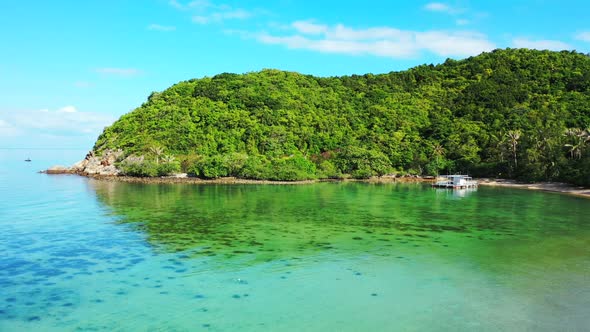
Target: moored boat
[(455, 181)]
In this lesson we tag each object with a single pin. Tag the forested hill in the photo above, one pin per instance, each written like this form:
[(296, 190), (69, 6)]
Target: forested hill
[(512, 113)]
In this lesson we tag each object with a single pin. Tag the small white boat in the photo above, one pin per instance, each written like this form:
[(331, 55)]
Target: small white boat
[(455, 182)]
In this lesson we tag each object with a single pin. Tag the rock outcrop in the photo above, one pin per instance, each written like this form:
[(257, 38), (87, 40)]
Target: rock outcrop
[(92, 165), (59, 170)]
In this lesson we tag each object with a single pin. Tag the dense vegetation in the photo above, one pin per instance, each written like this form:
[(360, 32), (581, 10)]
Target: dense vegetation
[(511, 113)]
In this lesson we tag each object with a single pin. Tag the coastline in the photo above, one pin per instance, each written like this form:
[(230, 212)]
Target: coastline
[(234, 180), (553, 187)]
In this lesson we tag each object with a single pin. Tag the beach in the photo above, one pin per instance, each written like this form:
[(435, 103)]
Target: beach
[(556, 187)]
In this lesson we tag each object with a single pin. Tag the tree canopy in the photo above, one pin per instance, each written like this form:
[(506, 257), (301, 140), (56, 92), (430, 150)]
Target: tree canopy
[(514, 113)]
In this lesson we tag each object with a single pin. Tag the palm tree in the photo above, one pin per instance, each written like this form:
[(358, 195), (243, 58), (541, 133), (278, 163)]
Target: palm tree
[(157, 151), (168, 159), (438, 151), (579, 139), (513, 137)]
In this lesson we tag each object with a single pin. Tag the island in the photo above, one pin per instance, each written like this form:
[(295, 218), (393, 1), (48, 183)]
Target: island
[(511, 113)]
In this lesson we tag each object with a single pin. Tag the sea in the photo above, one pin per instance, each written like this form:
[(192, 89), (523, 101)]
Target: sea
[(80, 254)]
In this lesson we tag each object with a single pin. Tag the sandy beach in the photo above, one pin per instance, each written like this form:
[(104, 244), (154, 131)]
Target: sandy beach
[(556, 187)]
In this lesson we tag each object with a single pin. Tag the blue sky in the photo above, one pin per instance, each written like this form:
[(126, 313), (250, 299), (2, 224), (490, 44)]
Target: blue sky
[(69, 68)]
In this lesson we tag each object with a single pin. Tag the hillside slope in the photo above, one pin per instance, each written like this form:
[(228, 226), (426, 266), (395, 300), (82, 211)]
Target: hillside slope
[(514, 113)]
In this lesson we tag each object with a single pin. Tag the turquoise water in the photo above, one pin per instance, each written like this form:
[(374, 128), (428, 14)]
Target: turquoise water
[(86, 255)]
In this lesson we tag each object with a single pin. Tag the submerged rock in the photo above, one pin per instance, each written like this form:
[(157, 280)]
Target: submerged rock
[(59, 170)]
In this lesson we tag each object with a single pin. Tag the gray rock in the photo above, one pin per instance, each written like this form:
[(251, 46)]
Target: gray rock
[(58, 170), (92, 164)]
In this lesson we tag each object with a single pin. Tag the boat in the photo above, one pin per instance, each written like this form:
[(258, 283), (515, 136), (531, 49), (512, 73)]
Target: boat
[(28, 159), (455, 181)]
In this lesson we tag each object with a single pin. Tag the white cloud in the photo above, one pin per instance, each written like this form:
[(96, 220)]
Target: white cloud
[(65, 121), (378, 41), (123, 72), (220, 16), (176, 4), (310, 28), (8, 130), (67, 109), (462, 21), (200, 4), (552, 45), (206, 12), (201, 19), (583, 36), (235, 14), (437, 7), (443, 8), (158, 27), (196, 5)]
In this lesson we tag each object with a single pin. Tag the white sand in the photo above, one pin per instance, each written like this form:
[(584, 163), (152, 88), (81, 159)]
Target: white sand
[(557, 187)]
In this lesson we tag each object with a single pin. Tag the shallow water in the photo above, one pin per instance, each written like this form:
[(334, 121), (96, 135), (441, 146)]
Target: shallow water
[(79, 254)]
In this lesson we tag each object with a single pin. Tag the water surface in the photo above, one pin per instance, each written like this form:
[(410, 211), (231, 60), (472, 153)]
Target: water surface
[(80, 254)]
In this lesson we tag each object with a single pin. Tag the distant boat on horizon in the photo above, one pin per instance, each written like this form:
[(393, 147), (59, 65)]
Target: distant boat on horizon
[(28, 159)]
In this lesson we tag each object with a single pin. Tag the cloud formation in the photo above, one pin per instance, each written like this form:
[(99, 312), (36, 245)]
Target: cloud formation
[(7, 129), (67, 109), (65, 121), (443, 8), (583, 36), (122, 72), (544, 44), (163, 28), (378, 41), (437, 7), (220, 16), (206, 12)]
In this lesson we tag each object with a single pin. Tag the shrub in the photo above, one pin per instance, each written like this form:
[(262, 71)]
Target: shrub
[(327, 170), (139, 168), (209, 168), (294, 168), (255, 167), (363, 173), (168, 168), (234, 162), (362, 163)]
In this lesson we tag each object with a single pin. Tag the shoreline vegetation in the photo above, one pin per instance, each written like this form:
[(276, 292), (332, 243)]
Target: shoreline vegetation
[(552, 187)]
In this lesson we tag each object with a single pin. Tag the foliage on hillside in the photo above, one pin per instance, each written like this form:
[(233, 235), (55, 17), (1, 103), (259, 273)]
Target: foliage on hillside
[(512, 113)]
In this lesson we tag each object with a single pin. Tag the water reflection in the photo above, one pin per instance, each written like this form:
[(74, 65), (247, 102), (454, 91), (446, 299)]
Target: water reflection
[(272, 222), (454, 193), (254, 258)]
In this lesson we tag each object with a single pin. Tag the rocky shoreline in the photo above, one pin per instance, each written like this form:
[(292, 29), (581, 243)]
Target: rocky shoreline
[(91, 165), (103, 168), (184, 179)]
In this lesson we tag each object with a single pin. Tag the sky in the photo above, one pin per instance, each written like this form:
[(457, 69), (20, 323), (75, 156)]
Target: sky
[(70, 68)]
